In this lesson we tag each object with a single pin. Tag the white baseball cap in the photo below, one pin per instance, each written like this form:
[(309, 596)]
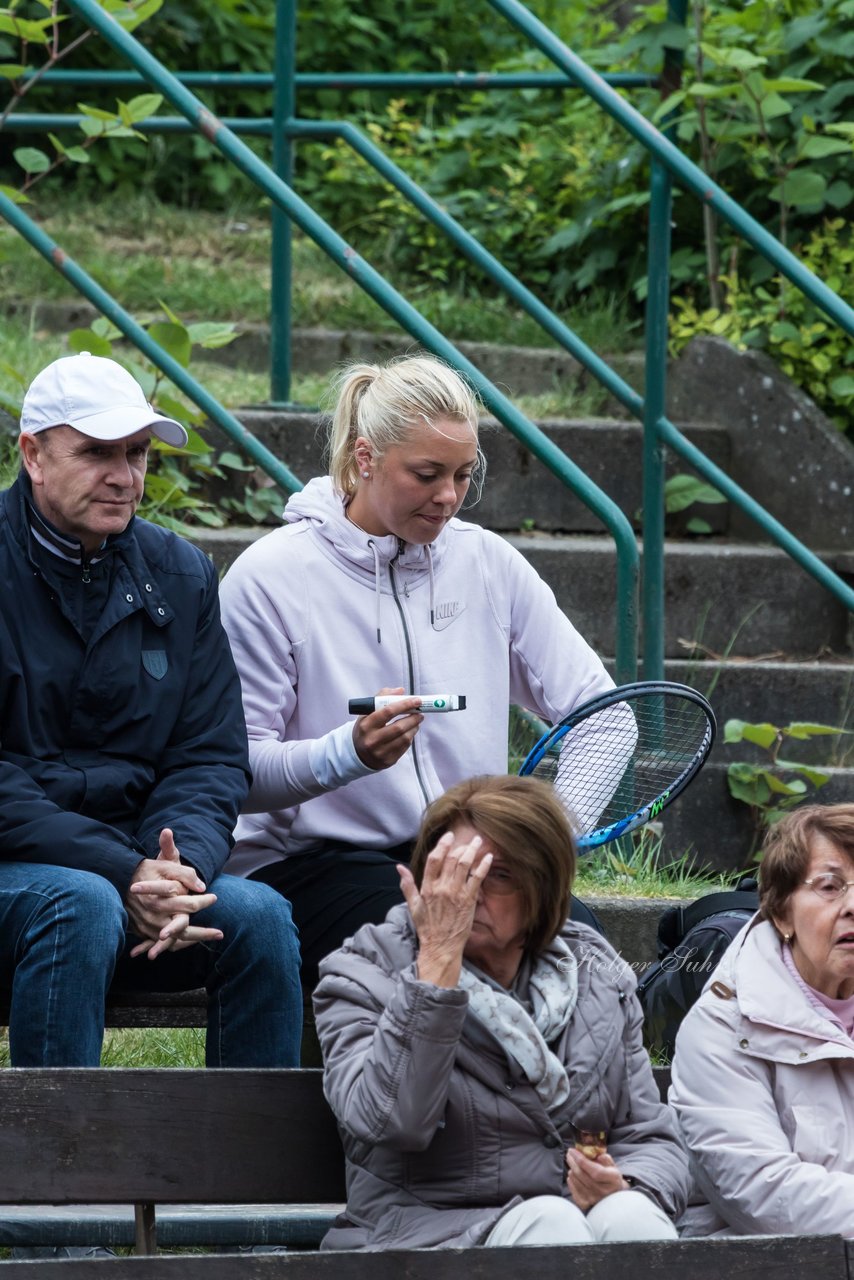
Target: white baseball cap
[(97, 397)]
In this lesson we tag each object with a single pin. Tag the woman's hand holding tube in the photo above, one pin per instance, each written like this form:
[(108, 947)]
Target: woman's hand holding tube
[(383, 736), (443, 908), (589, 1181)]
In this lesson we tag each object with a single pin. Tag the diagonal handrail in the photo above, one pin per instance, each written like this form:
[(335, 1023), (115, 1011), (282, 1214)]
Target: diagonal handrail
[(410, 319), (669, 162), (683, 170), (135, 333)]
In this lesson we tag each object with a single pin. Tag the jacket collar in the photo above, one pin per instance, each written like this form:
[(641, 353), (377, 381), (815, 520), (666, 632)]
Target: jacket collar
[(768, 997), (323, 506), (139, 583)]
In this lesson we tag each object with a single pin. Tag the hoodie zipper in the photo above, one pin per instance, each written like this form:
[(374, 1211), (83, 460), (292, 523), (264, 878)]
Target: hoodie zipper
[(409, 666)]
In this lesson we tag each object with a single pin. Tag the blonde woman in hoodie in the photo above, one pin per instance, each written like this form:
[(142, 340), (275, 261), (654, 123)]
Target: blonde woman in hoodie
[(373, 585)]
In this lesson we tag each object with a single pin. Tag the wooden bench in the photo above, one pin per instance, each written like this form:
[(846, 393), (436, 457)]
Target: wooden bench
[(258, 1155), (214, 1156), (142, 1008), (176, 1009)]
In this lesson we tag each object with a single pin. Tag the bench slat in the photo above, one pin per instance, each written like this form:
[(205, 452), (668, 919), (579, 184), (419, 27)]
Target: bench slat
[(178, 1226), (170, 1136), (760, 1258)]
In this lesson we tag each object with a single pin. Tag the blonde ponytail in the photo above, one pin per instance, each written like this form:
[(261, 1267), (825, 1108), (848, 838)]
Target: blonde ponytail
[(385, 403)]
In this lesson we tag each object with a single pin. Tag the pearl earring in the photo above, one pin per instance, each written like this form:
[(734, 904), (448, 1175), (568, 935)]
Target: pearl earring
[(366, 475), (787, 938)]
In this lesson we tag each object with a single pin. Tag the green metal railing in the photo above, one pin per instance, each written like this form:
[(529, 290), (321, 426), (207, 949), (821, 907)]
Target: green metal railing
[(299, 212), (667, 163)]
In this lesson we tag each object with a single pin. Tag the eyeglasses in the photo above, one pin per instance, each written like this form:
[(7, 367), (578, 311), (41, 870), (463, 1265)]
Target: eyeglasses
[(829, 886), (500, 881)]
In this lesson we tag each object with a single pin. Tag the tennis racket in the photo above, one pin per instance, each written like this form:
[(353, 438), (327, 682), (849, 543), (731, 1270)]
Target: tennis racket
[(621, 758)]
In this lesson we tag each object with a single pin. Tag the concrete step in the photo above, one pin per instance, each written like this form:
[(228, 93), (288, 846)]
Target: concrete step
[(719, 597), (520, 489), (779, 693)]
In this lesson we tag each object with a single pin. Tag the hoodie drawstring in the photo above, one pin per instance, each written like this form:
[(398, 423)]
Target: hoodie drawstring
[(378, 595), (429, 551)]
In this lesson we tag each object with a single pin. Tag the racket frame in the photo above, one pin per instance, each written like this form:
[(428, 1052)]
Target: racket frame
[(630, 693)]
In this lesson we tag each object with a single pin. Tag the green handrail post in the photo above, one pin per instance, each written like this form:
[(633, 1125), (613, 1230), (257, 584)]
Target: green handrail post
[(655, 393), (406, 315), (281, 251), (655, 380)]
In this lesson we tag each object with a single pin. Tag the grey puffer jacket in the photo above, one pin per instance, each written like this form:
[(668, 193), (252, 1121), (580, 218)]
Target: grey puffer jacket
[(441, 1130)]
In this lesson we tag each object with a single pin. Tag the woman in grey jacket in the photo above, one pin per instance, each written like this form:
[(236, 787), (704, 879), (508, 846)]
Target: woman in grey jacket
[(477, 1039)]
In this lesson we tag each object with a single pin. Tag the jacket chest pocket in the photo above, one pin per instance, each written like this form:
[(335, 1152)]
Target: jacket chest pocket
[(127, 700)]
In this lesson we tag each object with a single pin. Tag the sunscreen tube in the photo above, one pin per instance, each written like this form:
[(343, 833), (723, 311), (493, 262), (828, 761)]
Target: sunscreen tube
[(429, 702)]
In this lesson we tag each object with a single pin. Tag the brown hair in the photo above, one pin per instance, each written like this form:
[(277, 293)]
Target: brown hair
[(524, 819), (787, 849)]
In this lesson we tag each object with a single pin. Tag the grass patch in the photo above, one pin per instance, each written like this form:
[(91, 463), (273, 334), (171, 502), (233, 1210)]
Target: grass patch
[(27, 349), (637, 867), (142, 1047), (214, 266)]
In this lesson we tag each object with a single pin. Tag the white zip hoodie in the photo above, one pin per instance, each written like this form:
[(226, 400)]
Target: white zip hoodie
[(319, 612)]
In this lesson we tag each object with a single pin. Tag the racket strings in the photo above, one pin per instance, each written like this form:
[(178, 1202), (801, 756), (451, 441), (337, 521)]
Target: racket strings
[(624, 757)]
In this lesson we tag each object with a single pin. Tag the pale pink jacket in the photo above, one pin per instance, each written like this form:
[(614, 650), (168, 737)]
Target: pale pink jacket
[(318, 612), (763, 1089)]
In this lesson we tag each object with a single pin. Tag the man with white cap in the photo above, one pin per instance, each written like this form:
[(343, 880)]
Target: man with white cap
[(123, 759)]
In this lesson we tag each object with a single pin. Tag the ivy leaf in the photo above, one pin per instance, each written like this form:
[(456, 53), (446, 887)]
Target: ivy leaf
[(791, 84), (682, 490), (763, 735), (747, 783), (142, 106), (210, 335), (174, 339), (78, 155), (816, 776), (796, 787), (96, 113), (12, 193), (86, 340), (818, 146), (802, 730), (738, 59), (801, 187), (32, 160)]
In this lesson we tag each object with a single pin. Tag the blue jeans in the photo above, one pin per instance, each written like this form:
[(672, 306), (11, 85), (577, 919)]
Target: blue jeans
[(64, 939)]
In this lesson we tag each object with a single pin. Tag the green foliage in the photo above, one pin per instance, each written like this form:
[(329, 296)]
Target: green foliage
[(23, 36), (683, 491), (773, 786), (764, 105), (181, 485), (815, 353)]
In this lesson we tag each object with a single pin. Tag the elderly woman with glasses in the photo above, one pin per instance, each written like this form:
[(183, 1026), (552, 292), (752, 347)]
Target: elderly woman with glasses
[(483, 1053), (763, 1076)]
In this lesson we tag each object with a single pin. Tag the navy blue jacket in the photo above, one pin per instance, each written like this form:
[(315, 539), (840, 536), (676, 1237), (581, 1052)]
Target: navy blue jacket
[(105, 741)]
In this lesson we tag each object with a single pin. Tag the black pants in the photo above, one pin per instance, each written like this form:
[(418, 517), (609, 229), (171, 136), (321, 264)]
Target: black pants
[(335, 890)]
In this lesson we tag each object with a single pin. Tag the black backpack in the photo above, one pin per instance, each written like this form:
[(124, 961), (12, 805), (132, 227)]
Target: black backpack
[(691, 941)]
